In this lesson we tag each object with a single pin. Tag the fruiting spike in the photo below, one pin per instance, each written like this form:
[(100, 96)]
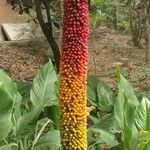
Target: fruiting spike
[(73, 74)]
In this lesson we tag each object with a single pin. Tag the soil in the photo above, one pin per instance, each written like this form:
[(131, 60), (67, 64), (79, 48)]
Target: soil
[(22, 59), (7, 15), (107, 48)]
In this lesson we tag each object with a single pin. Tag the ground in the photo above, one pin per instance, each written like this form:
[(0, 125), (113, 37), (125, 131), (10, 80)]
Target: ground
[(107, 48), (21, 60), (7, 15)]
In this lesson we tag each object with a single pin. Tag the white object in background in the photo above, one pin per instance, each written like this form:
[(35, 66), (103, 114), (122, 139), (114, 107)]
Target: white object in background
[(17, 31)]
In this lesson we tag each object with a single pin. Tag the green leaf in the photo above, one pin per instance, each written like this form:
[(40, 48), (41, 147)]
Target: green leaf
[(43, 125), (41, 122), (130, 133), (24, 89), (8, 146), (26, 124), (144, 140), (143, 115), (6, 104), (91, 94), (8, 100), (5, 100), (53, 114), (101, 136), (43, 92), (5, 125), (94, 140), (11, 90), (106, 123), (146, 146), (50, 141), (99, 94), (125, 87), (92, 82), (125, 95), (118, 147), (17, 107), (124, 111), (9, 84), (142, 94), (105, 99)]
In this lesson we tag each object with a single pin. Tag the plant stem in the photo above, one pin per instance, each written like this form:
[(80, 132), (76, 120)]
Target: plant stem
[(21, 145), (36, 131), (39, 134), (25, 143), (5, 141)]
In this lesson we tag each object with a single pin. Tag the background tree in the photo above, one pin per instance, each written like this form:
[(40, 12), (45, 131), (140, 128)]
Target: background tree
[(147, 30), (139, 14), (135, 19), (47, 26), (48, 15), (127, 16), (118, 4)]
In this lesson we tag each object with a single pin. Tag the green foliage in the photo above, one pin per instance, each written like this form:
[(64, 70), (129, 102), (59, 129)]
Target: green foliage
[(127, 126), (24, 6), (142, 94), (31, 120), (100, 133), (99, 94), (54, 114), (8, 96), (104, 12), (144, 140), (43, 91), (26, 124), (98, 137), (24, 89), (50, 141), (105, 98), (123, 25), (143, 115), (125, 107), (20, 116), (8, 146), (131, 115)]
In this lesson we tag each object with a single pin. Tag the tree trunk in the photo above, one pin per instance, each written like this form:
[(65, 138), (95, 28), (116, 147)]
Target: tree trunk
[(118, 10), (135, 24), (147, 31), (47, 29)]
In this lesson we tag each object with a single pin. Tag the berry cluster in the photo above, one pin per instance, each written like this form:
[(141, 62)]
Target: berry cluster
[(73, 74)]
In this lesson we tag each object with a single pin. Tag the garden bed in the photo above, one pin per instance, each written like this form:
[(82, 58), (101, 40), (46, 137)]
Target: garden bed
[(22, 59), (107, 48)]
